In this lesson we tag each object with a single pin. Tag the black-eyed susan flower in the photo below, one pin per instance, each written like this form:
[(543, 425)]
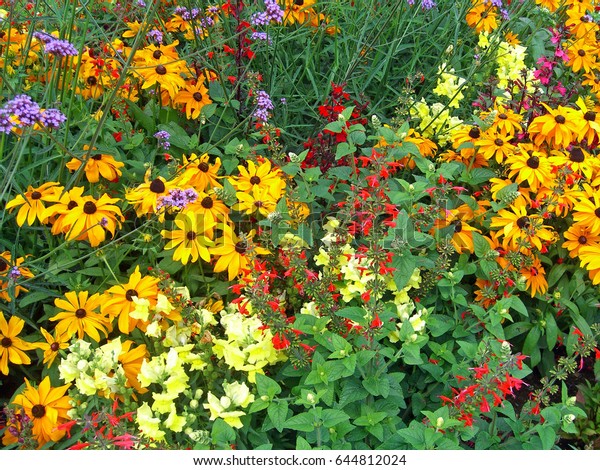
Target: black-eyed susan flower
[(576, 158), (234, 253), (519, 226), (144, 197), (190, 240), (493, 144), (54, 343), (131, 358), (210, 209), (586, 212), (531, 166), (96, 165), (63, 203), (299, 11), (482, 16), (79, 313), (31, 203), (535, 278), (11, 275), (118, 301), (558, 128), (506, 121), (165, 72), (12, 348), (590, 121), (581, 56), (258, 200), (192, 98), (577, 237), (200, 173), (47, 406), (91, 218), (589, 257), (263, 176)]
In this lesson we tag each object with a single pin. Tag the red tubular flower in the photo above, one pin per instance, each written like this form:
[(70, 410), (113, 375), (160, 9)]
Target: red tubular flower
[(376, 323), (280, 341)]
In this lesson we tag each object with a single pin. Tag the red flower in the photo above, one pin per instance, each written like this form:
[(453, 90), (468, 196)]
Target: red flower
[(484, 406), (280, 341), (376, 323)]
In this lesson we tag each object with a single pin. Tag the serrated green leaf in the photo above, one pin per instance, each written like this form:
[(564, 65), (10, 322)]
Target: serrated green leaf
[(277, 411), (301, 422), (332, 418), (377, 386)]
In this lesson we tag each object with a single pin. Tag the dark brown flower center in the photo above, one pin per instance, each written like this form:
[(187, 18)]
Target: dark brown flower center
[(89, 207), (92, 80), (560, 119), (157, 186), (72, 205), (597, 212), (581, 52), (80, 313), (197, 96), (157, 54), (36, 195), (502, 116), (97, 156), (130, 294), (499, 142), (533, 162), (458, 226), (523, 222), (207, 202), (38, 411), (240, 247), (191, 235), (161, 69), (299, 2), (3, 265), (6, 342), (582, 240), (475, 133), (590, 116), (576, 155), (258, 203), (54, 346), (255, 180), (203, 167)]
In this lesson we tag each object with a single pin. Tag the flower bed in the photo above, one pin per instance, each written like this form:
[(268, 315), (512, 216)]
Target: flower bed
[(299, 224)]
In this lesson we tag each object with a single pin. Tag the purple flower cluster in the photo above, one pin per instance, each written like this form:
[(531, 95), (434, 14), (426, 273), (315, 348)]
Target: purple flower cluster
[(177, 199), (274, 13), (22, 112), (54, 46), (14, 273), (52, 118), (186, 14), (263, 106), (163, 139), (259, 36), (427, 4), (155, 35)]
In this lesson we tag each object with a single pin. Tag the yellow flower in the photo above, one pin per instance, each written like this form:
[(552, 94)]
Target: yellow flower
[(63, 204), (192, 98), (131, 359), (96, 165), (587, 213), (32, 203), (259, 200), (91, 218), (200, 173), (9, 286), (482, 16), (520, 227), (234, 253), (47, 407), (11, 346), (54, 344), (148, 424), (145, 197), (118, 301), (577, 237), (558, 128), (590, 259), (79, 314), (190, 241), (262, 176), (530, 166), (535, 278)]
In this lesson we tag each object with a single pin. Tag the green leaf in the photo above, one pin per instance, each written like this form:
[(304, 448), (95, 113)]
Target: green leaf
[(404, 265), (222, 433), (481, 245), (332, 418), (277, 411), (556, 273), (343, 149), (267, 386), (301, 422), (377, 386), (551, 330), (302, 444), (547, 436)]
